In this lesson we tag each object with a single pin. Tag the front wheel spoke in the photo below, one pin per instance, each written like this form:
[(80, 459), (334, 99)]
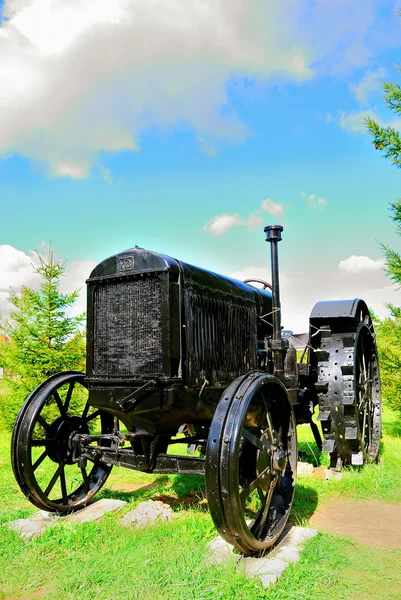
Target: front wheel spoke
[(253, 485), (92, 416), (63, 486), (267, 505), (268, 418), (42, 422), (270, 426), (68, 396), (261, 495), (250, 437), (85, 479), (86, 410), (54, 479), (39, 460), (38, 443), (59, 402)]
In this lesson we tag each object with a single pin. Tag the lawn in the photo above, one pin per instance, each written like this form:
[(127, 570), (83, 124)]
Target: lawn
[(103, 560)]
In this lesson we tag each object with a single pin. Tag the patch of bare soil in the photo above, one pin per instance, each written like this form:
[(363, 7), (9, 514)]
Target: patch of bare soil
[(196, 500), (39, 593), (374, 523), (319, 472)]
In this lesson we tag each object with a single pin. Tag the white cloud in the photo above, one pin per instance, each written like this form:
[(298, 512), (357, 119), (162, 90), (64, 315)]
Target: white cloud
[(301, 289), (273, 208), (69, 170), (16, 270), (76, 274), (253, 221), (294, 314), (357, 264), (344, 36), (252, 272), (91, 75), (354, 122), (369, 83), (222, 223), (315, 202)]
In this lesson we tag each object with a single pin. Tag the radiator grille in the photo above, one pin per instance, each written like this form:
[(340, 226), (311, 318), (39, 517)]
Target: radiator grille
[(221, 338), (127, 327)]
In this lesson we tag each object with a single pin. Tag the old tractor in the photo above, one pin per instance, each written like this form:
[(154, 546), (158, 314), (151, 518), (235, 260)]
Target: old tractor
[(175, 348)]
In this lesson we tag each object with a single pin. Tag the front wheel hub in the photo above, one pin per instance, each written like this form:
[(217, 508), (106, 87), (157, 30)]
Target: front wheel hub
[(279, 460), (58, 436)]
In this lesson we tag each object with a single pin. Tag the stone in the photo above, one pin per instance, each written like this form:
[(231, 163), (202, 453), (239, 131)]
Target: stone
[(32, 526), (304, 469), (264, 566), (289, 554), (40, 521), (94, 511), (269, 579), (267, 568), (220, 551), (147, 513)]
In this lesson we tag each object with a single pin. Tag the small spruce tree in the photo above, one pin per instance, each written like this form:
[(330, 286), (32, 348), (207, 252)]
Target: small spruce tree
[(38, 338)]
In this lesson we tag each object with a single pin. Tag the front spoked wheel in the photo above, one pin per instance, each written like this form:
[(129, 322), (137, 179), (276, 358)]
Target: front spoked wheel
[(40, 448), (251, 462)]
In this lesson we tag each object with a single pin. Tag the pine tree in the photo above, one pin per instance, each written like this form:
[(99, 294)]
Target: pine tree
[(39, 339), (388, 140)]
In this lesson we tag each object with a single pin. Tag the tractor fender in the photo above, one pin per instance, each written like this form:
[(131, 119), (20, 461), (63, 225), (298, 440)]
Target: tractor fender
[(355, 309)]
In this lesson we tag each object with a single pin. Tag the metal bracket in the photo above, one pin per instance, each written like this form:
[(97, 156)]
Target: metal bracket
[(132, 399)]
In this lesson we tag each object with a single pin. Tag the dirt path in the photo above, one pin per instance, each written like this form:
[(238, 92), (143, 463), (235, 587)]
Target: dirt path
[(373, 523)]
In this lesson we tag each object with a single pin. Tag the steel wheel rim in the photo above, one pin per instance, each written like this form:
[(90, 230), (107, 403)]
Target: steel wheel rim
[(239, 479), (26, 464)]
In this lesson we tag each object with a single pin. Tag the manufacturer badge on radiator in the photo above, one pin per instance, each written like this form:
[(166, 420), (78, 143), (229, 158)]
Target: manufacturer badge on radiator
[(125, 263)]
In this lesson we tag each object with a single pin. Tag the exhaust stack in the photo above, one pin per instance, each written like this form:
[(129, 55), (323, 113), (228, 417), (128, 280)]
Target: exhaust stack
[(273, 235)]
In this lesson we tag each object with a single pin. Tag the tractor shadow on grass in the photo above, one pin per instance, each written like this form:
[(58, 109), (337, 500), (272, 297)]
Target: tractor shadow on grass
[(304, 504), (187, 492), (136, 491), (179, 491)]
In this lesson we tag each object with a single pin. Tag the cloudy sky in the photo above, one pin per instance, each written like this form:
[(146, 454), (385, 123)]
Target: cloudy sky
[(185, 126)]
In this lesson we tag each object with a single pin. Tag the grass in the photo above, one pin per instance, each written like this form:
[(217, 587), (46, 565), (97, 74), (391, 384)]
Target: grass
[(3, 386), (103, 560)]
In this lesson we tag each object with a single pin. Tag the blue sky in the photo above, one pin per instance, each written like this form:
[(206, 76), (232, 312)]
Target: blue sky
[(185, 127)]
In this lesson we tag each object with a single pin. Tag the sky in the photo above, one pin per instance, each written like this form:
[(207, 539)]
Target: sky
[(186, 126)]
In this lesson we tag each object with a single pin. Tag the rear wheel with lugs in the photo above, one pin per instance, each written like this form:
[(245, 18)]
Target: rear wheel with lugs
[(348, 386)]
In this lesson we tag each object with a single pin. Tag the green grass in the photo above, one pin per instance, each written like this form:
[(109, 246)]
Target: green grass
[(103, 560), (3, 386)]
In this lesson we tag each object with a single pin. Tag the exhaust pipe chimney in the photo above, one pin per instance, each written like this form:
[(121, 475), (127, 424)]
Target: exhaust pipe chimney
[(273, 235)]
